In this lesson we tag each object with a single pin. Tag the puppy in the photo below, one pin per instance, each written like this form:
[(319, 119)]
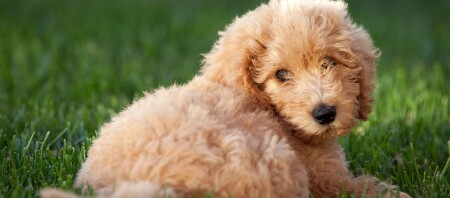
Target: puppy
[(260, 119)]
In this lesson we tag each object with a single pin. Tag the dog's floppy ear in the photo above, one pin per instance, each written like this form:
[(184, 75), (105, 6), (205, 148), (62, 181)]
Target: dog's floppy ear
[(230, 62), (367, 56)]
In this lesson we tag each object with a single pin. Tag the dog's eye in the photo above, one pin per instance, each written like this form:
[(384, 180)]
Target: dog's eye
[(282, 75), (328, 62)]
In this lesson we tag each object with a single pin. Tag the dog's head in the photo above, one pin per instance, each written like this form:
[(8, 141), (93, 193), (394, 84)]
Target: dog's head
[(305, 59)]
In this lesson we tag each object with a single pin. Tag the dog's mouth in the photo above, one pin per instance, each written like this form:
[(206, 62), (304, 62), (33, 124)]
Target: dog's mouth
[(313, 139), (312, 132), (319, 134), (330, 130)]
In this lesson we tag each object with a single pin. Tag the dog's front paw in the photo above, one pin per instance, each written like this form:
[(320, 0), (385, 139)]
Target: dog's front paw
[(391, 191), (394, 193), (404, 195)]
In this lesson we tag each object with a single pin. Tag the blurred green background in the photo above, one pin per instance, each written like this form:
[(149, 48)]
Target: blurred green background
[(67, 66)]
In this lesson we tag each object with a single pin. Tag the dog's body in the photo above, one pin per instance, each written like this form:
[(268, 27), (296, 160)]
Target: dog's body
[(218, 142), (260, 120)]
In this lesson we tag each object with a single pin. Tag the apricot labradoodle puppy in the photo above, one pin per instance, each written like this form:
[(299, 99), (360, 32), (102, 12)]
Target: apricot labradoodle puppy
[(260, 119)]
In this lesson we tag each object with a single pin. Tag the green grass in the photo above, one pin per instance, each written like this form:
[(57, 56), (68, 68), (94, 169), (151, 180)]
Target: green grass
[(67, 66)]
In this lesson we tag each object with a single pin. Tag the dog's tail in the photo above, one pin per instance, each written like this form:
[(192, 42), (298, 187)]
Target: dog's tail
[(124, 189)]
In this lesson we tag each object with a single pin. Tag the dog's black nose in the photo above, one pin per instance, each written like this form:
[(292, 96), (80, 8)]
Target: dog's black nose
[(324, 114)]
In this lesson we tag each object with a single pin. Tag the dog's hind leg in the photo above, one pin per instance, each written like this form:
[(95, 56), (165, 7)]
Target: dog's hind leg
[(139, 189)]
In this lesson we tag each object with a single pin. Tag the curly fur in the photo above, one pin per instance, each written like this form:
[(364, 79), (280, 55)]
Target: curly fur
[(236, 129)]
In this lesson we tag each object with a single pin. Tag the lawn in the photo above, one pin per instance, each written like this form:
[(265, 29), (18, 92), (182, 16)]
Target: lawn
[(67, 66)]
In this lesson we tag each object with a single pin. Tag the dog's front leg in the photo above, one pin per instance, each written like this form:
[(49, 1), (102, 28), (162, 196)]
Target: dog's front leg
[(329, 176)]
